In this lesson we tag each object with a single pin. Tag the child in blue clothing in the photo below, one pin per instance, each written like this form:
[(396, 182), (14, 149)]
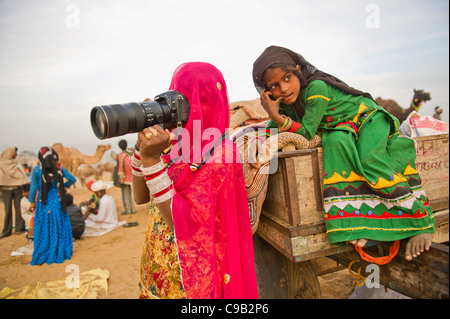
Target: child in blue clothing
[(52, 229)]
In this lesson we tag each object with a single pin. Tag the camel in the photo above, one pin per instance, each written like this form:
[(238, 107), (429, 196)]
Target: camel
[(393, 108), (106, 167), (71, 158), (86, 171)]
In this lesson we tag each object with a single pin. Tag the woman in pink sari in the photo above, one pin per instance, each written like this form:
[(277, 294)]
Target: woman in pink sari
[(198, 240)]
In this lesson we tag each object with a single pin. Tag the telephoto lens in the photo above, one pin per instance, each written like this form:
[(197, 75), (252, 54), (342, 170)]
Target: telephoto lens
[(113, 120)]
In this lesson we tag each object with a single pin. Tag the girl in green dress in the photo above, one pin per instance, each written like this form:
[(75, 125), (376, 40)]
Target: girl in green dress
[(372, 190)]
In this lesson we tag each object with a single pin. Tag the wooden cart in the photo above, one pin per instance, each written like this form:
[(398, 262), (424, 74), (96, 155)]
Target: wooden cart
[(291, 230)]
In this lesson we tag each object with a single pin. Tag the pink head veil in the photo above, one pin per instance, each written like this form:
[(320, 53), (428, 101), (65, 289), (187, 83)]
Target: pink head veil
[(209, 208)]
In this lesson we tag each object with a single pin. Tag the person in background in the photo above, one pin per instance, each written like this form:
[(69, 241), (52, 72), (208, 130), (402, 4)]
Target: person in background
[(52, 231), (437, 113), (90, 206), (107, 212), (125, 178), (25, 207), (76, 217), (27, 169), (12, 177)]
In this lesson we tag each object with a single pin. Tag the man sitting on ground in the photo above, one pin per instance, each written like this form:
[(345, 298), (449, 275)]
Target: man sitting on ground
[(107, 212)]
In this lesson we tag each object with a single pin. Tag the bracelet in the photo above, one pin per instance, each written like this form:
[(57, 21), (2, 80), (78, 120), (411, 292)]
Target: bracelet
[(288, 124), (136, 171), (164, 197), (154, 184), (156, 189), (148, 177), (153, 169), (158, 182), (137, 154), (136, 164), (282, 117)]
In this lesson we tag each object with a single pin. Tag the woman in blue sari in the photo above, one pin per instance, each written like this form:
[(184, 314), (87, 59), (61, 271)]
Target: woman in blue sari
[(52, 230)]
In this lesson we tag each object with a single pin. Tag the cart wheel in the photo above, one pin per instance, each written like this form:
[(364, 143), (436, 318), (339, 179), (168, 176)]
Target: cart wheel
[(279, 277)]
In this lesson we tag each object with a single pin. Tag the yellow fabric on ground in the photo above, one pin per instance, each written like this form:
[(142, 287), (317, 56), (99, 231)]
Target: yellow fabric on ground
[(93, 284)]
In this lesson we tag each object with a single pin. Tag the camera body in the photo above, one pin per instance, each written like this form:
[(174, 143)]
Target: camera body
[(167, 110)]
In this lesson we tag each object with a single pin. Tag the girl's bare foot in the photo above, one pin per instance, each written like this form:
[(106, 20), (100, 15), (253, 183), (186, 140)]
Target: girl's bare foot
[(359, 242), (417, 245)]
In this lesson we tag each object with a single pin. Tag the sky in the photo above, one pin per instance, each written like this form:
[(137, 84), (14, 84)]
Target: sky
[(60, 58)]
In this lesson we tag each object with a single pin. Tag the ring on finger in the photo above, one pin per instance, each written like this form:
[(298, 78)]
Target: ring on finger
[(153, 131)]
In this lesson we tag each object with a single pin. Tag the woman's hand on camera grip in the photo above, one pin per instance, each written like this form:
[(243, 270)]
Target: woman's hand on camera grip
[(151, 142)]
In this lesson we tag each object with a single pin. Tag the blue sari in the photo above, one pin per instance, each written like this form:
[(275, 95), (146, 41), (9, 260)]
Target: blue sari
[(52, 229)]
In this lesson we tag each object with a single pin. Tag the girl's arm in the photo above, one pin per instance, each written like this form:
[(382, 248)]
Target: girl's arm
[(317, 97), (34, 185), (70, 178)]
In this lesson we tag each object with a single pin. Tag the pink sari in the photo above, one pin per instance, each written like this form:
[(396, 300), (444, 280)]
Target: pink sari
[(209, 208)]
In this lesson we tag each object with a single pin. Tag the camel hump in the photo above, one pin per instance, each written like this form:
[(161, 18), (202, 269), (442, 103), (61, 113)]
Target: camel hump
[(58, 148), (387, 103)]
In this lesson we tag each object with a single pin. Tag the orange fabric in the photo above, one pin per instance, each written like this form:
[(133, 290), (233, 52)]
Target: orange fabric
[(380, 260)]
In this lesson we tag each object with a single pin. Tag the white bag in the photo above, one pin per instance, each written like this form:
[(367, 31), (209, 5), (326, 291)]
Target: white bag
[(417, 125)]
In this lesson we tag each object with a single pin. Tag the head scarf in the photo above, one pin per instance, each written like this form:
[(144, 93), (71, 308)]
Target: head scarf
[(209, 208), (51, 171), (10, 172), (100, 186), (275, 54), (209, 115)]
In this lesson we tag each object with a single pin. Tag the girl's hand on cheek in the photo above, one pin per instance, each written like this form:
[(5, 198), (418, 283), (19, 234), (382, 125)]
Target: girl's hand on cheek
[(271, 106)]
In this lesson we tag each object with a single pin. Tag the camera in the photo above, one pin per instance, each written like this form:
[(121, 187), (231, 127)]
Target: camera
[(167, 110)]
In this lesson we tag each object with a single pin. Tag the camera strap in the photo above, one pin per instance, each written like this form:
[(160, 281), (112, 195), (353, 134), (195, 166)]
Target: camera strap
[(193, 166)]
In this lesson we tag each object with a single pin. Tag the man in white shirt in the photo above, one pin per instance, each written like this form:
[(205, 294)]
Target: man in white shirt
[(107, 212)]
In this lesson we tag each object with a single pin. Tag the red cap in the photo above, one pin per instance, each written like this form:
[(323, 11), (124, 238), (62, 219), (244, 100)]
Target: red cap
[(89, 184)]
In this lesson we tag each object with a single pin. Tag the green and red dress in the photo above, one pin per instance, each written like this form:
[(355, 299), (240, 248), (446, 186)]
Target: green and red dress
[(371, 188)]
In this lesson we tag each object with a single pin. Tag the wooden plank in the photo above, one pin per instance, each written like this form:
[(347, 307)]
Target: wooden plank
[(291, 192), (310, 190), (297, 243), (426, 276), (275, 201), (442, 226), (317, 180)]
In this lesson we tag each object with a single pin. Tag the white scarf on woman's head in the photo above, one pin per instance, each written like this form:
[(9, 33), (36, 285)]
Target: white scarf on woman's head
[(10, 172)]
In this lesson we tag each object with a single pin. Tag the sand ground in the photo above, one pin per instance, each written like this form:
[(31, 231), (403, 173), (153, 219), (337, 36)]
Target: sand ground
[(118, 251)]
